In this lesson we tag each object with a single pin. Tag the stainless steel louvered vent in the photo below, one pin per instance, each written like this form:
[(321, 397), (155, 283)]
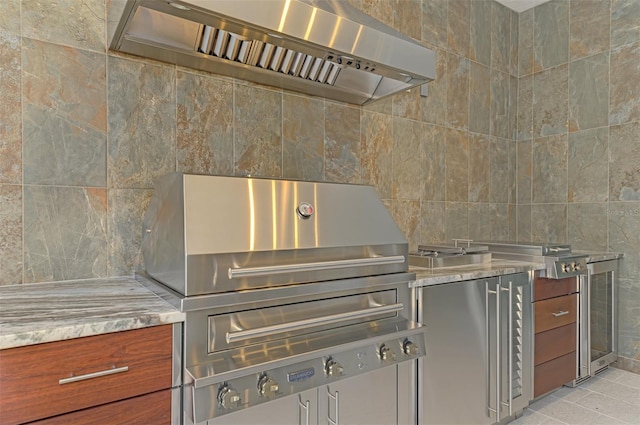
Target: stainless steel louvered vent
[(227, 45), (319, 47)]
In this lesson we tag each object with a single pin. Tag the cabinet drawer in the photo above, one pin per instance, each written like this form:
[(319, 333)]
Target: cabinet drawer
[(554, 343), (555, 312), (544, 288), (154, 408), (30, 377), (554, 374)]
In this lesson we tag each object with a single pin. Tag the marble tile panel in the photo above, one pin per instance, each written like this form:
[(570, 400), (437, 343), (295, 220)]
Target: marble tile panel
[(434, 22), (64, 233), (408, 104), (10, 95), (480, 221), (59, 151), (124, 223), (141, 123), (549, 222), (9, 19), (569, 413), (204, 131), (432, 222), (433, 167), (587, 226), (10, 234), (523, 218), (406, 17), (480, 95), (524, 118), (589, 92), (457, 91), (380, 10), (502, 218), (514, 35), (525, 43), (512, 111), (457, 165), (458, 28), (624, 236), (624, 92), (625, 15), (257, 124), (80, 24), (551, 34), (342, 143), (624, 162), (407, 159), (500, 37), (406, 214), (480, 42), (550, 169), (550, 97), (626, 363), (479, 167), (434, 106), (589, 30), (64, 94), (588, 166), (376, 147), (302, 138), (499, 114), (502, 188), (456, 221), (524, 171), (531, 417), (382, 106)]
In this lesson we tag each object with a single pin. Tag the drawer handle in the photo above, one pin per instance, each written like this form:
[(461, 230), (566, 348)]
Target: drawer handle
[(93, 375), (560, 313)]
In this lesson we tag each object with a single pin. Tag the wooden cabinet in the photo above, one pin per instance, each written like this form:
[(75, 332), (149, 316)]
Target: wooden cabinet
[(46, 380), (555, 329)]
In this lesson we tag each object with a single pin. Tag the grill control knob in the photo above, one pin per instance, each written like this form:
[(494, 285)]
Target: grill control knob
[(575, 267), (228, 397), (564, 267), (333, 368), (409, 348), (268, 387), (387, 354)]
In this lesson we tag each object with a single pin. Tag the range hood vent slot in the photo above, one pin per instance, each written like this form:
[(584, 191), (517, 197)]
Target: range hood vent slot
[(309, 46)]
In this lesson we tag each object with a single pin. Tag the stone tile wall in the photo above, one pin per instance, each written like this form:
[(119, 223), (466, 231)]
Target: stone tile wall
[(578, 137)]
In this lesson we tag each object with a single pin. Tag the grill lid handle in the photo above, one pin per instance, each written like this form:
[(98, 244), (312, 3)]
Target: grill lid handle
[(239, 272)]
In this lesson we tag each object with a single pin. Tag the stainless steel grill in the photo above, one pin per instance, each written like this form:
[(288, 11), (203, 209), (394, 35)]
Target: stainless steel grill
[(286, 286)]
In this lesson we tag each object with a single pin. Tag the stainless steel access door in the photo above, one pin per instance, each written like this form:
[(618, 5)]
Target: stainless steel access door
[(478, 365)]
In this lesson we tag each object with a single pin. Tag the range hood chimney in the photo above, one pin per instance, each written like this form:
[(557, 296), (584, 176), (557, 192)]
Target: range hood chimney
[(318, 47)]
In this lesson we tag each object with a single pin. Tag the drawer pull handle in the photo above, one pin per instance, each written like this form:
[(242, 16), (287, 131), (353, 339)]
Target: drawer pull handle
[(93, 375), (560, 313)]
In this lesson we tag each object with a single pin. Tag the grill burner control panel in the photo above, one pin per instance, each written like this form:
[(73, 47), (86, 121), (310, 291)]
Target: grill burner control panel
[(558, 268), (244, 392)]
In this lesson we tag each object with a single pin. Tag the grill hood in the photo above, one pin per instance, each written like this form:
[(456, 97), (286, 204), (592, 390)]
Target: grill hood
[(318, 47), (207, 234)]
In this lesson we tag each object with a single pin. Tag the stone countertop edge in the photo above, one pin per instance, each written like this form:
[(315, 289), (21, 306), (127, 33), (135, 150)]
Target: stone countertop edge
[(56, 311), (428, 277), (595, 256)]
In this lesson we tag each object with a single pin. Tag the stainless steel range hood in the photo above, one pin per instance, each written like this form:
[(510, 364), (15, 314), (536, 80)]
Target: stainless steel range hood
[(318, 47)]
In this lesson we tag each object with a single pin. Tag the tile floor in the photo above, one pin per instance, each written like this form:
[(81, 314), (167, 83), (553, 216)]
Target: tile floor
[(610, 398)]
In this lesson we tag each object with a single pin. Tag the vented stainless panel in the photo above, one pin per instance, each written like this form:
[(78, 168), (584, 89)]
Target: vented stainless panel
[(320, 47)]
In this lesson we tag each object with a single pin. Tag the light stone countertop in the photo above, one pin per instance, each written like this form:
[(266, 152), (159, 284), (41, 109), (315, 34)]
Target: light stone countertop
[(427, 277), (45, 312)]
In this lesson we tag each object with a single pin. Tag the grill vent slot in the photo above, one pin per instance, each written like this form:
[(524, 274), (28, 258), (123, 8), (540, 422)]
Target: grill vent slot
[(227, 45)]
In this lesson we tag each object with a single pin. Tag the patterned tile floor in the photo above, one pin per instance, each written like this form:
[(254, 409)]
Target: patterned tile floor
[(610, 398)]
